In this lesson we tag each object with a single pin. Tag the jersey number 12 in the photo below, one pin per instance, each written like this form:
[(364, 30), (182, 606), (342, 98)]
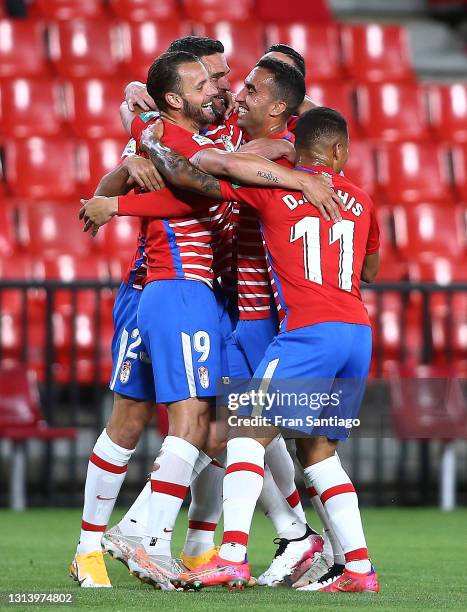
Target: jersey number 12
[(343, 231)]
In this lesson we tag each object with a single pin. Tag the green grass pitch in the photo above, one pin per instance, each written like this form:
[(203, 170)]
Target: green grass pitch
[(420, 554)]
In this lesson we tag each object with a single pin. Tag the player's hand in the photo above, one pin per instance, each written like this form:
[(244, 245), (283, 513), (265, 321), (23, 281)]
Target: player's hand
[(232, 105), (136, 94), (97, 212), (270, 148), (318, 190), (142, 172)]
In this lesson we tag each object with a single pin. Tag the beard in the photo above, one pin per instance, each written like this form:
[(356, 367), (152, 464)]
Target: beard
[(219, 105), (196, 114)]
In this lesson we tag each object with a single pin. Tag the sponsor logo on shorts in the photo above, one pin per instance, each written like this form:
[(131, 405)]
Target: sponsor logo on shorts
[(203, 376), (125, 372)]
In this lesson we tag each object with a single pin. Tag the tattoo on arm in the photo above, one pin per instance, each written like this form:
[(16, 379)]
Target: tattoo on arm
[(180, 172), (268, 176)]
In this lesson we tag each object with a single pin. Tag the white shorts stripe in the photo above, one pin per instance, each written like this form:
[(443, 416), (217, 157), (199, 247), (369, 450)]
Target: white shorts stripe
[(264, 386), (121, 356), (188, 361)]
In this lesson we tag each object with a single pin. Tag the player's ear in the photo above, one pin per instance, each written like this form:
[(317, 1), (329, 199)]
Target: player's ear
[(174, 100), (278, 108)]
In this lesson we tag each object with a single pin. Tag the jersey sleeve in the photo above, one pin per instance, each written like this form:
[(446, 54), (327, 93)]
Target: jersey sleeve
[(253, 196), (157, 204), (141, 122), (372, 245)]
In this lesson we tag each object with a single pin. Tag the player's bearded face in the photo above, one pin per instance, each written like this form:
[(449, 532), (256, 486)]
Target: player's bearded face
[(197, 94), (254, 100)]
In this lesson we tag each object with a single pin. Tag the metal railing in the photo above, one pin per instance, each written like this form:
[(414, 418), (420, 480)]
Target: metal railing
[(385, 468)]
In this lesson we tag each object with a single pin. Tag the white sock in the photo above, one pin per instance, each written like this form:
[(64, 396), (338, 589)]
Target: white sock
[(205, 509), (329, 535), (340, 502), (169, 484), (282, 467), (276, 508), (135, 520), (243, 482), (107, 467)]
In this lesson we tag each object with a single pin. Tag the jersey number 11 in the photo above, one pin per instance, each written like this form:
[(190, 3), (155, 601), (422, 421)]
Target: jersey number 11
[(343, 231)]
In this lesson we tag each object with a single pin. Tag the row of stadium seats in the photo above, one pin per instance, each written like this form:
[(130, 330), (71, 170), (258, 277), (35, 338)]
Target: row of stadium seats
[(409, 233), (89, 108), (398, 322), (52, 167), (143, 10), (99, 48)]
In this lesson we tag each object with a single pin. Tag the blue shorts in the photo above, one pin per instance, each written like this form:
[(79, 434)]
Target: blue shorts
[(180, 326), (247, 345), (316, 372), (132, 370)]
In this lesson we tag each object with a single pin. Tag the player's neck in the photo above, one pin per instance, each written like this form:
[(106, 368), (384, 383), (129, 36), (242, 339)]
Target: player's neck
[(308, 161), (184, 122), (268, 130)]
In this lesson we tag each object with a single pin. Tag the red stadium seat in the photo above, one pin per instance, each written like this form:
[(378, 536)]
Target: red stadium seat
[(429, 228), (376, 53), (50, 229), (318, 44), (448, 311), (145, 10), (76, 319), (22, 48), (7, 234), (84, 48), (70, 9), (413, 172), (360, 167), (392, 112), (448, 111), (143, 42), (212, 11), (39, 167), (22, 312), (243, 43), (459, 162), (30, 106), (392, 266), (98, 157), (118, 240), (93, 107), (338, 96)]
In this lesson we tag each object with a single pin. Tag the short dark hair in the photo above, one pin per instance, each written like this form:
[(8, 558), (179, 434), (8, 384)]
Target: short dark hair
[(298, 59), (317, 124), (289, 82), (198, 45), (163, 75)]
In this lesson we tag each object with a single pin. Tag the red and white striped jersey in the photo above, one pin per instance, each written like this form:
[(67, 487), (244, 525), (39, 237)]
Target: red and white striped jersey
[(256, 286)]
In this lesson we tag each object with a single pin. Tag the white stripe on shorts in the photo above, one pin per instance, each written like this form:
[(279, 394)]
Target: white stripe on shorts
[(188, 361), (121, 356), (264, 386)]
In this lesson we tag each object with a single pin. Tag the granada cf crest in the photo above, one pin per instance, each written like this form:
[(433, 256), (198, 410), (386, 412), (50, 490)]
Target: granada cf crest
[(228, 144), (203, 376), (125, 371)]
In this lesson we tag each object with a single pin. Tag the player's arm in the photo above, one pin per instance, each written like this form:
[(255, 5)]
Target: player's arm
[(244, 168), (270, 148), (371, 262), (370, 267)]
